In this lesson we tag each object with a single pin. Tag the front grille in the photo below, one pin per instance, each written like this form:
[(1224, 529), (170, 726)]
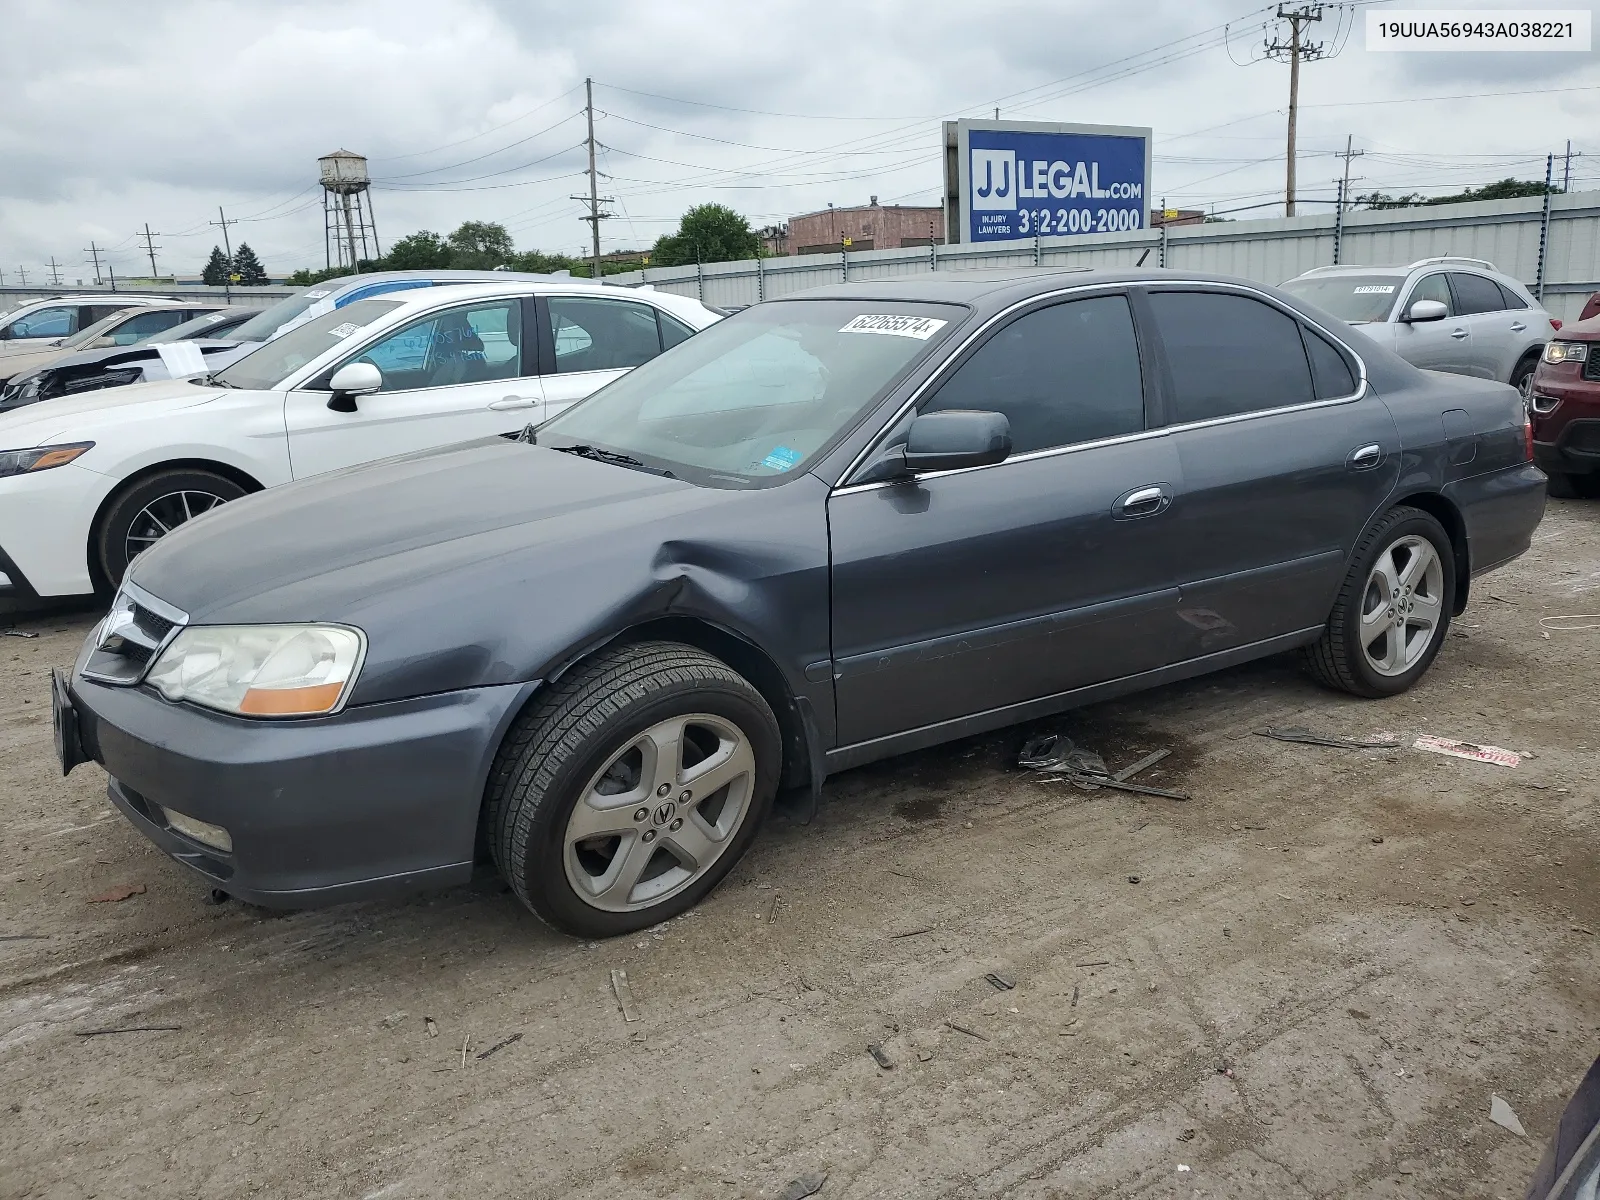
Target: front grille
[(91, 383), (136, 629), (1591, 364)]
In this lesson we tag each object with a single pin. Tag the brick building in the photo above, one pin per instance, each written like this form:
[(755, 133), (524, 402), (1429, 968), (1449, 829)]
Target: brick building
[(873, 227)]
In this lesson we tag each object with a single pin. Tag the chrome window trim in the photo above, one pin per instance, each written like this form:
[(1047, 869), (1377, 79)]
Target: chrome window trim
[(1166, 284)]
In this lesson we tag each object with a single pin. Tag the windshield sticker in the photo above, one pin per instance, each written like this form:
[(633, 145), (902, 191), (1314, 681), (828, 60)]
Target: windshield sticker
[(215, 317), (317, 295), (343, 331), (1374, 289), (921, 328), (782, 458)]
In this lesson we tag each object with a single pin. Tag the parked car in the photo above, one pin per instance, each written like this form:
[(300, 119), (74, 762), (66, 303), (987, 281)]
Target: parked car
[(1444, 314), (88, 481), (35, 324), (1569, 1169), (1565, 406), (137, 361), (826, 530), (121, 328)]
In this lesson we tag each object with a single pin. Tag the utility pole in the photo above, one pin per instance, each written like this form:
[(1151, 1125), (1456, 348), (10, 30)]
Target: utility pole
[(150, 248), (23, 272), (1566, 169), (1295, 50), (94, 252), (1344, 187), (227, 250), (55, 272), (594, 199)]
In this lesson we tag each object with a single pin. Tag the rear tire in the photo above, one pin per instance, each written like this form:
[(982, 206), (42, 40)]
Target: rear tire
[(135, 518), (592, 812), (1393, 609)]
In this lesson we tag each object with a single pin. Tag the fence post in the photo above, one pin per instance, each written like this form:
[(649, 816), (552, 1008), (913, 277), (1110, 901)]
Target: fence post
[(1036, 259), (1161, 259), (761, 278), (699, 281), (1338, 224), (844, 260), (1544, 228)]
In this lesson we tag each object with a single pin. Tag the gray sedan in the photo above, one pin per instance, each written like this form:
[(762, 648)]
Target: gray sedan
[(824, 531)]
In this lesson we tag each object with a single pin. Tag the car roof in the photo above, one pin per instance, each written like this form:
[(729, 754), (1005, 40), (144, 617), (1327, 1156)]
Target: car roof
[(505, 284), (125, 298), (999, 288)]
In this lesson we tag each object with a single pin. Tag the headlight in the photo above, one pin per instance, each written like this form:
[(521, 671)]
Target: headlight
[(261, 670), (40, 458), (1557, 352)]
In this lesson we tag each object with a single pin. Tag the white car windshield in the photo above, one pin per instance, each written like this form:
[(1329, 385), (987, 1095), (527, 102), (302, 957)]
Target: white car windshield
[(752, 399), (272, 362), (1353, 298)]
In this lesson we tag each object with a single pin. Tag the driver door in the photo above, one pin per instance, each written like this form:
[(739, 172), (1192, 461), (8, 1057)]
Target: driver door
[(1434, 345), (451, 376)]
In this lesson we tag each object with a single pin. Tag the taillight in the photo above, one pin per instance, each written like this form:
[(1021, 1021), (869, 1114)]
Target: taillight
[(1555, 324), (1527, 436)]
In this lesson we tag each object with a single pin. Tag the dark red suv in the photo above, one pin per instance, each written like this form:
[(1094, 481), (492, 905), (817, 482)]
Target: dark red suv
[(1564, 402)]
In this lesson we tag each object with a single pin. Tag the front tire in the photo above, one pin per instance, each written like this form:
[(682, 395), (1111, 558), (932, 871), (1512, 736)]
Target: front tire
[(145, 512), (1393, 609), (630, 791)]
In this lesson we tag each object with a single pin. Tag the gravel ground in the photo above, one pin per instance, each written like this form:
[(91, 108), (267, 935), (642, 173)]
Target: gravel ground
[(1306, 981)]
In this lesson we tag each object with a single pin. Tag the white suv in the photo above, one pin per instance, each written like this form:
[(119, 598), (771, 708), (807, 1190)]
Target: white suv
[(88, 481), (1442, 314)]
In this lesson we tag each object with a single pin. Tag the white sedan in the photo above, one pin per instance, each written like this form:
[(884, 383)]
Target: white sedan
[(89, 481)]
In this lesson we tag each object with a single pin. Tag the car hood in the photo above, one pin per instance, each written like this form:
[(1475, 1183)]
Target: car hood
[(109, 355), (343, 545), (77, 415), (32, 360)]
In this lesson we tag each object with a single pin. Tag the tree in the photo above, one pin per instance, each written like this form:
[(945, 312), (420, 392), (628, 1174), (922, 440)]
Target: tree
[(1504, 189), (217, 268), (248, 267), (707, 233), (537, 262), (480, 246), (420, 251)]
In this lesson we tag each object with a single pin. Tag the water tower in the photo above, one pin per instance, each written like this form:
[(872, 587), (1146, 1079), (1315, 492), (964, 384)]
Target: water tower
[(347, 209)]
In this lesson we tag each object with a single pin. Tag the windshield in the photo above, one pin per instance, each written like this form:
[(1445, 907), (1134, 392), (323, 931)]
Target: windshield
[(213, 324), (84, 336), (753, 398), (261, 327), (1353, 298), (271, 363)]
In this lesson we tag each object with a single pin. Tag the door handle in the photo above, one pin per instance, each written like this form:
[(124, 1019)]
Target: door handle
[(1517, 327), (506, 402), (1458, 334), (1141, 502), (1365, 457)]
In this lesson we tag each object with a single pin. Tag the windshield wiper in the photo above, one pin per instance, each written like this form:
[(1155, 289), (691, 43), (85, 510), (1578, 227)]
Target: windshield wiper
[(212, 381), (613, 457)]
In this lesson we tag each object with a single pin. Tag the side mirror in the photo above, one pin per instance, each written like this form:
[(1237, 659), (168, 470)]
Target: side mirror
[(1427, 310), (352, 380), (944, 441), (104, 340)]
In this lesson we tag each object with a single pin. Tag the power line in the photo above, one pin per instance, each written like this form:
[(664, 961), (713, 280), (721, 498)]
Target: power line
[(474, 137)]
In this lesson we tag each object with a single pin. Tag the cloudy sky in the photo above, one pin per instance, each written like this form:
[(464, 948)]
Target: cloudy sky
[(115, 114)]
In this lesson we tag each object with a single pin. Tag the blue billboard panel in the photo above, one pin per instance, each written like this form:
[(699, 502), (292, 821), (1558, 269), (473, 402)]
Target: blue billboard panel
[(1033, 180)]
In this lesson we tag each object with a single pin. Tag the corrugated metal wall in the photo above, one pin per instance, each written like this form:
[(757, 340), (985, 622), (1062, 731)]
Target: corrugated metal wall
[(1505, 232)]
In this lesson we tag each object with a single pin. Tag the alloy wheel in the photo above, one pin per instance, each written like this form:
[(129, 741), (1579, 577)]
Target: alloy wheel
[(659, 813), (164, 514), (1402, 606)]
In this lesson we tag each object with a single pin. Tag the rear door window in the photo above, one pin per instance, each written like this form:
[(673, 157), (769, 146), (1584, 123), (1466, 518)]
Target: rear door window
[(1230, 354), (1062, 375), (601, 335), (1475, 294)]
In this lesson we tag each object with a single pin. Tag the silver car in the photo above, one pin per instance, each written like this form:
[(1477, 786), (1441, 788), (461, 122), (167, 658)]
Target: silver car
[(1442, 314)]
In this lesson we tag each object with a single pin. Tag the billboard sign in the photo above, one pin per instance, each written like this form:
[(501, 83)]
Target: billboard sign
[(1026, 179)]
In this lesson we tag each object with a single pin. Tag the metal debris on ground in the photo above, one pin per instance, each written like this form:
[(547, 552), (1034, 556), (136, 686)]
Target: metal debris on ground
[(1099, 962), (23, 937), (1493, 755), (515, 1037), (1294, 733), (21, 633), (1591, 621), (905, 933), (1144, 764), (1074, 995), (625, 1001), (465, 1042), (879, 1057), (430, 1026), (1058, 756), (969, 1032), (119, 893), (1000, 981), (1500, 1113), (806, 1185), (126, 1029)]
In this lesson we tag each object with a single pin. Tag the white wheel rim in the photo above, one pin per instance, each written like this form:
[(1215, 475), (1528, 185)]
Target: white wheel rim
[(1402, 606), (662, 810)]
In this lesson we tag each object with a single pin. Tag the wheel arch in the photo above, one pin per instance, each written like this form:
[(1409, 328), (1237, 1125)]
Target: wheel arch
[(231, 473), (1441, 509)]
